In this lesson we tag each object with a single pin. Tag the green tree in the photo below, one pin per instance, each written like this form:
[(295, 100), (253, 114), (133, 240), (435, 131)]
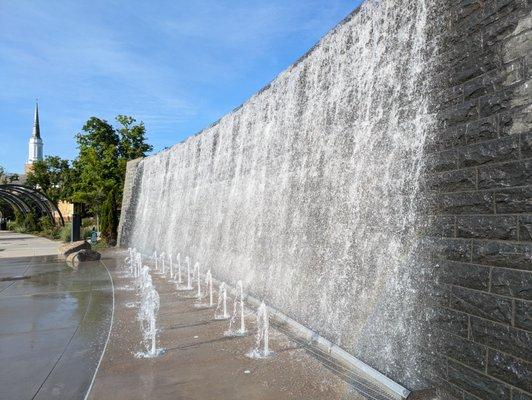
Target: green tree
[(97, 175), (132, 144), (6, 178), (50, 175), (3, 176), (97, 167), (109, 218), (132, 138)]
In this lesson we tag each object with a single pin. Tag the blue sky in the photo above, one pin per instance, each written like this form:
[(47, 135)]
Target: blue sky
[(176, 65)]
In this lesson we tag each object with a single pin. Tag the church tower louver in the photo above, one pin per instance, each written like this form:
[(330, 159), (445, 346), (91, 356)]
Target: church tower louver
[(35, 148)]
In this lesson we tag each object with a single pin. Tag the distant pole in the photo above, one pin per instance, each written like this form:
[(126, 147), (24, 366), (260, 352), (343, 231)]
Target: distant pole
[(75, 234)]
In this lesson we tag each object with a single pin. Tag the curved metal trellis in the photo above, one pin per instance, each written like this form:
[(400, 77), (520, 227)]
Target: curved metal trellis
[(15, 202), (25, 199)]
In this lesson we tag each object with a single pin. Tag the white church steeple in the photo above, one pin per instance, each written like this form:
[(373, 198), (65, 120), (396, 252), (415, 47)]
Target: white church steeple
[(35, 145)]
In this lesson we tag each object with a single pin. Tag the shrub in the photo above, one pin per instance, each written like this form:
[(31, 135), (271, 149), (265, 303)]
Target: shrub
[(30, 224), (65, 232), (88, 222), (48, 228), (19, 219), (46, 224), (55, 233), (86, 232)]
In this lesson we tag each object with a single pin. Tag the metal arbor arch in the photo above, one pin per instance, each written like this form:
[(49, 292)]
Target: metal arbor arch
[(25, 199)]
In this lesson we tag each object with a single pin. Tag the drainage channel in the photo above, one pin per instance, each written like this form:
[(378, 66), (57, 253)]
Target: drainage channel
[(14, 278)]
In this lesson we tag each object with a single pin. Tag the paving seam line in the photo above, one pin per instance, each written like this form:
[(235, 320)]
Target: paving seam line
[(108, 334)]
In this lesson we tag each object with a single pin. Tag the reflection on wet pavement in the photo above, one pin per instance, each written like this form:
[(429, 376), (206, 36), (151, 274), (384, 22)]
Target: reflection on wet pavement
[(53, 325), (200, 363)]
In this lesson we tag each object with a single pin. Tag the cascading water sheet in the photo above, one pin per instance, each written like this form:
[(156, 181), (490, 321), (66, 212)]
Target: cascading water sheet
[(309, 192)]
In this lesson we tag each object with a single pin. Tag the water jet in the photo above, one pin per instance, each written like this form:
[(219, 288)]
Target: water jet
[(262, 337), (222, 303), (238, 308)]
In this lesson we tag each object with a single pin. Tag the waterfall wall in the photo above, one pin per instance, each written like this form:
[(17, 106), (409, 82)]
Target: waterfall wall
[(308, 191), (312, 192)]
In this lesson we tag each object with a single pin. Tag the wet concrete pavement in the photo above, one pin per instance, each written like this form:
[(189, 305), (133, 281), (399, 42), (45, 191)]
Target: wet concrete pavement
[(60, 328), (54, 320), (200, 363)]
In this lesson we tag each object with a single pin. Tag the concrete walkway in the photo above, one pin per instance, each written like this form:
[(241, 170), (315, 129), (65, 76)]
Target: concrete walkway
[(61, 328), (200, 363), (54, 321)]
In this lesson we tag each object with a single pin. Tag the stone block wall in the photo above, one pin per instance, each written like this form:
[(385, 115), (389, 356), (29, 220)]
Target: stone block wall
[(480, 192), (128, 200)]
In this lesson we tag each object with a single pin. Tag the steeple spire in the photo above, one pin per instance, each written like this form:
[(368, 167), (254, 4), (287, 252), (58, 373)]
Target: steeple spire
[(36, 129), (35, 144)]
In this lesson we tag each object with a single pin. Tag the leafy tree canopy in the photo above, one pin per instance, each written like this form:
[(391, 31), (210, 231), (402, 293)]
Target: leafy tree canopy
[(50, 175), (96, 177), (96, 166), (132, 138), (100, 167), (5, 177)]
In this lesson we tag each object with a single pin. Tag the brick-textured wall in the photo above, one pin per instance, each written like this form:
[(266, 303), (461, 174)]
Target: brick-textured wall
[(480, 189)]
